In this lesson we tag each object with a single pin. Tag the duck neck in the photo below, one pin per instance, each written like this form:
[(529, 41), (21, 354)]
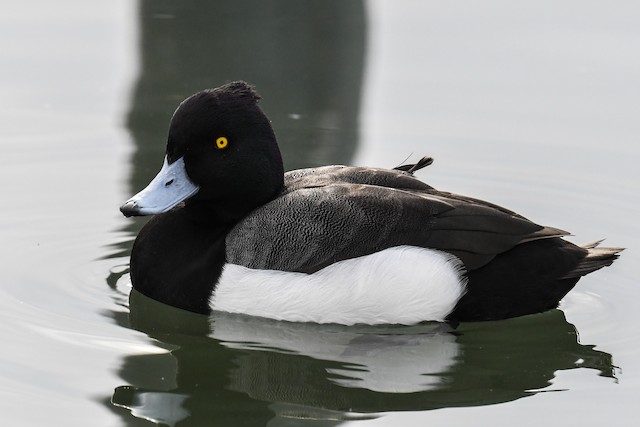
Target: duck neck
[(219, 215), (178, 260), (226, 209)]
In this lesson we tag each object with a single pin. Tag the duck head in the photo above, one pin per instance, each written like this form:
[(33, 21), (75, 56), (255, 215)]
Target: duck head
[(222, 158)]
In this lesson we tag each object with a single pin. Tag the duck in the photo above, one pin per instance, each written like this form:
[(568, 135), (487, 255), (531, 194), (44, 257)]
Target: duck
[(232, 232)]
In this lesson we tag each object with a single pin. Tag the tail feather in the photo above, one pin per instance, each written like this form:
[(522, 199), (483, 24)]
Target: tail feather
[(592, 244), (595, 259)]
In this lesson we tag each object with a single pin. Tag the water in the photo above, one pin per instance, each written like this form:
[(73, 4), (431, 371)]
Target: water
[(530, 106)]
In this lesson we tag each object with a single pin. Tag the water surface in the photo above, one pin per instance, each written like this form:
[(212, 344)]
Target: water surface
[(533, 107)]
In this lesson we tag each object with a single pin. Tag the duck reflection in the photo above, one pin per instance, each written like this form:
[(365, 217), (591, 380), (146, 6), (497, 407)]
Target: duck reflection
[(222, 367)]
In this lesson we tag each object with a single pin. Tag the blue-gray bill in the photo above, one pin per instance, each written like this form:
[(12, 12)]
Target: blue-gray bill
[(169, 188)]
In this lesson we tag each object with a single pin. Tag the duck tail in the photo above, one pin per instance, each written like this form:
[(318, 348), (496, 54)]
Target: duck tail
[(596, 258)]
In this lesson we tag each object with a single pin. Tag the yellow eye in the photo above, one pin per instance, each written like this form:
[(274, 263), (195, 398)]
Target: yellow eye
[(222, 142)]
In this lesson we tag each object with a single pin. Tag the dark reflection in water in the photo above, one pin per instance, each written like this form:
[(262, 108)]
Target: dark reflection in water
[(305, 58), (236, 370)]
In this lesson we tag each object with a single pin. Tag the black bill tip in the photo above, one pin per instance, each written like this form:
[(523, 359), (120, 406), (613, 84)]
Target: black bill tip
[(130, 208)]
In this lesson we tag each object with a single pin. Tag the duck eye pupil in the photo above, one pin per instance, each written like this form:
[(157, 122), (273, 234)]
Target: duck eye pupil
[(222, 142)]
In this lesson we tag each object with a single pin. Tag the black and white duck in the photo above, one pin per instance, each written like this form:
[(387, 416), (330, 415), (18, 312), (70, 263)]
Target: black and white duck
[(335, 244)]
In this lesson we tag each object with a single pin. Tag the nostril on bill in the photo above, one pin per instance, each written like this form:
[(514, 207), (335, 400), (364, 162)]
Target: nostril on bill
[(168, 183)]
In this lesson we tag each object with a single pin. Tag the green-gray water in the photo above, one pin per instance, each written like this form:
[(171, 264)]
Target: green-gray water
[(532, 106)]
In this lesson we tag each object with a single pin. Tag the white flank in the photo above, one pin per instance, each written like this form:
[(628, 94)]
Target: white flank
[(402, 285)]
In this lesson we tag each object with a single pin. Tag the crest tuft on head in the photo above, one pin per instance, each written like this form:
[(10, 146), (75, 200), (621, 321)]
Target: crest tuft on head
[(239, 89)]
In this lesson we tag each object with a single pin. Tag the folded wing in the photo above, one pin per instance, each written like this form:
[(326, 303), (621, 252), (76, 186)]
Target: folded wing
[(335, 213)]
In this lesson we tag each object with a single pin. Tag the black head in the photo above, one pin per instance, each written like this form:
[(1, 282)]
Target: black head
[(229, 152)]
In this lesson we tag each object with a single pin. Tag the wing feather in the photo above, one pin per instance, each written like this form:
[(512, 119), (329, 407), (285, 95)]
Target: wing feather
[(324, 220)]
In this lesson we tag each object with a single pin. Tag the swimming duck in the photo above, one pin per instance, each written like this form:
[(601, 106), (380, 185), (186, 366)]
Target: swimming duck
[(335, 244)]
